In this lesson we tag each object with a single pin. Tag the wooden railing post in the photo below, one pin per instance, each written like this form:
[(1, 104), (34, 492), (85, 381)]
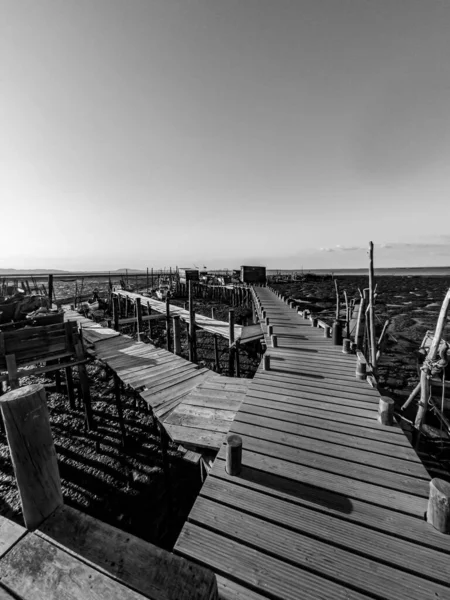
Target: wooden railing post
[(192, 340), (216, 353), (232, 349), (33, 453), (168, 322), (176, 335), (138, 318), (116, 312), (50, 289)]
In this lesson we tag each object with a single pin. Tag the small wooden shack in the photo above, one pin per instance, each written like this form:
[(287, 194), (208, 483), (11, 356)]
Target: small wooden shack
[(253, 274), (189, 275)]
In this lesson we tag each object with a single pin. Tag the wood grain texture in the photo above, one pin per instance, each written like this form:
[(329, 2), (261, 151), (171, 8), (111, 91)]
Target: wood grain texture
[(10, 533), (323, 487), (150, 570), (33, 453)]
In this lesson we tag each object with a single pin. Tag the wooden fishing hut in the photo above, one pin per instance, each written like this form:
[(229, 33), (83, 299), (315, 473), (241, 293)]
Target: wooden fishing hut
[(188, 275), (253, 275)]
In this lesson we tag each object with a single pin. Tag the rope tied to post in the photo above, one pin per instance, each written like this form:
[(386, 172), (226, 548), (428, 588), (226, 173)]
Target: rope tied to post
[(436, 365)]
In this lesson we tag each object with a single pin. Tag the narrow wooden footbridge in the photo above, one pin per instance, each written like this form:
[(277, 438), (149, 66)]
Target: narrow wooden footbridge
[(214, 326), (329, 503), (196, 406)]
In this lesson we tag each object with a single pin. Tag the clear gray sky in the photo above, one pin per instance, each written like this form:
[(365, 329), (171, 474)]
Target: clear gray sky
[(221, 132)]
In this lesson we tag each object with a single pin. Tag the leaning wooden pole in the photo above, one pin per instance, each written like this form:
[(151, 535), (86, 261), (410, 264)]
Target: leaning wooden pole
[(373, 342), (425, 372), (33, 453), (338, 301)]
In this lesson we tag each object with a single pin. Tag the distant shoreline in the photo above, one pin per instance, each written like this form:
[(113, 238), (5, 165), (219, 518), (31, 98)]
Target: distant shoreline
[(390, 271)]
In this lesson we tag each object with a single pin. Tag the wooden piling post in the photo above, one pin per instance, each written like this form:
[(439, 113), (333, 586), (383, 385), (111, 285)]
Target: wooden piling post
[(232, 348), (338, 301), (149, 310), (84, 384), (373, 343), (138, 319), (216, 353), (168, 322), (176, 335), (274, 340), (236, 359), (192, 340), (266, 362), (270, 330), (231, 326), (327, 331), (70, 388), (119, 408), (359, 334), (314, 322), (234, 455), (163, 441), (386, 411), (438, 512), (50, 289), (116, 312), (33, 453)]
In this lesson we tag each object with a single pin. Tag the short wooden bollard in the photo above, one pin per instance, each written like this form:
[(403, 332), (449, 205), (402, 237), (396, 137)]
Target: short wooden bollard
[(337, 333), (267, 320), (347, 346), (305, 315), (266, 362), (361, 370), (314, 322), (274, 341), (269, 329), (234, 454), (327, 331), (263, 314), (438, 512), (386, 411), (33, 454)]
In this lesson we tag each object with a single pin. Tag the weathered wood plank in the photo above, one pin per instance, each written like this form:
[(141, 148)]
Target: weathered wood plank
[(10, 533), (194, 436), (398, 459), (365, 574), (335, 482), (37, 570), (150, 570), (255, 569)]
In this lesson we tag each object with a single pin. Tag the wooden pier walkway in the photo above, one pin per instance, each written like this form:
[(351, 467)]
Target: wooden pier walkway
[(214, 326), (195, 405), (329, 503)]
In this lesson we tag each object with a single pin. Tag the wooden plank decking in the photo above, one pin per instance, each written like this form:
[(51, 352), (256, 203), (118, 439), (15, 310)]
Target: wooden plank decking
[(329, 503), (72, 556), (195, 405)]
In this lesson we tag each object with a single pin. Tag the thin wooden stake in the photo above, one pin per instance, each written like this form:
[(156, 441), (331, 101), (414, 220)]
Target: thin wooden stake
[(373, 343)]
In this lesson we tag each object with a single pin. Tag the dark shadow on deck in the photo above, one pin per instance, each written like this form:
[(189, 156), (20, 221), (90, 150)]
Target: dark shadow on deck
[(274, 485)]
